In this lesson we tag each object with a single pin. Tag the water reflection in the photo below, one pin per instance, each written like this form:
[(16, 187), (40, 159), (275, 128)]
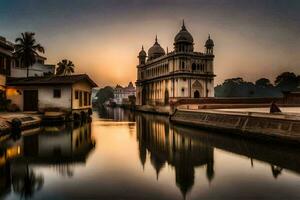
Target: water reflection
[(59, 147), (116, 114), (166, 145), (187, 148), (143, 156)]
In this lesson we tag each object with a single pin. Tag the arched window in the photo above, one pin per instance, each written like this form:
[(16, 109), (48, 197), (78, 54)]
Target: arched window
[(182, 65), (193, 67), (198, 67)]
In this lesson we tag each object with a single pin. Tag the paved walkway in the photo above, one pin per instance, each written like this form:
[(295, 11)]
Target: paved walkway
[(254, 112)]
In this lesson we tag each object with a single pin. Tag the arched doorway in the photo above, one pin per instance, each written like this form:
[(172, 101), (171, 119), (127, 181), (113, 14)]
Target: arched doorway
[(197, 89), (166, 97), (196, 94)]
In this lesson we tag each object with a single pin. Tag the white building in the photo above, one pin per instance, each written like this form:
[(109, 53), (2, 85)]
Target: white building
[(182, 73), (39, 68), (121, 94), (13, 67), (63, 93)]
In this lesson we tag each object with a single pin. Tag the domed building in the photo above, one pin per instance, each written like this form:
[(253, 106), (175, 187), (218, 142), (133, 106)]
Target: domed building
[(155, 51), (182, 73)]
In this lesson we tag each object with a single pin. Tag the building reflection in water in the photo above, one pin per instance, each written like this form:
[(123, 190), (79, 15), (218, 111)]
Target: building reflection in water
[(116, 114), (187, 148), (166, 145), (58, 147)]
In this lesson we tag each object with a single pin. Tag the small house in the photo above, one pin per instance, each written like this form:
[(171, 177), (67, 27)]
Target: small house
[(68, 94)]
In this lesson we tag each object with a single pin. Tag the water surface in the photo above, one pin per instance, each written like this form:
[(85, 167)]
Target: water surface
[(122, 155)]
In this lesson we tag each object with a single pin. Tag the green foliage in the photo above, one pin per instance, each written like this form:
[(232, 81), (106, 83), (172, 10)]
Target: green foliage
[(263, 82), (27, 48), (287, 81), (237, 87), (65, 67), (132, 100), (104, 94)]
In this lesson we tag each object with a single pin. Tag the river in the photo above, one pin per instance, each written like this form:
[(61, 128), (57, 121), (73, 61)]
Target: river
[(125, 155)]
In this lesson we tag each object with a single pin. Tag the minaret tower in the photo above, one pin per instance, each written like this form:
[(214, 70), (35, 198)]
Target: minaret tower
[(142, 56), (209, 45)]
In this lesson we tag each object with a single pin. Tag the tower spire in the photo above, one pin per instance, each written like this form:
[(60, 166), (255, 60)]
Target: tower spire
[(142, 47), (156, 38), (183, 25)]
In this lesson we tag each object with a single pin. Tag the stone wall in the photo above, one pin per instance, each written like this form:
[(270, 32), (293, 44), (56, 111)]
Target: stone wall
[(261, 125)]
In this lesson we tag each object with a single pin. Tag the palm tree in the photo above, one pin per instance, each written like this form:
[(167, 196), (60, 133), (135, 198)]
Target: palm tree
[(27, 48), (65, 67)]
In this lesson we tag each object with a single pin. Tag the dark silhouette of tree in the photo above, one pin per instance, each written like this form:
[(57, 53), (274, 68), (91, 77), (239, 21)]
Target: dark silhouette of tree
[(26, 49), (263, 82), (47, 74), (65, 67), (287, 81), (132, 100), (105, 94), (237, 87)]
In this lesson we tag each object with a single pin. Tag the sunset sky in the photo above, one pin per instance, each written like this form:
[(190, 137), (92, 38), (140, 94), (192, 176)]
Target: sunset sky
[(253, 38)]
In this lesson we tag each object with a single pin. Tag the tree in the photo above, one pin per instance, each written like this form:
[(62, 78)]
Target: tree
[(263, 82), (26, 49), (287, 81), (65, 67), (105, 94), (235, 87)]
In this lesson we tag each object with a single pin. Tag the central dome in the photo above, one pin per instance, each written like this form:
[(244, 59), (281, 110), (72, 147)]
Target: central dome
[(155, 51), (183, 36)]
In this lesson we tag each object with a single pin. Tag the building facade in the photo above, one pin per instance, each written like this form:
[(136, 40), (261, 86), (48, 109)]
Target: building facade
[(121, 94), (63, 93), (6, 59), (10, 66), (183, 73), (39, 68)]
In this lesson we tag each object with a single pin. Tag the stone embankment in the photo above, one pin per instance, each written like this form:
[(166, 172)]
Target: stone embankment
[(279, 127), (163, 110)]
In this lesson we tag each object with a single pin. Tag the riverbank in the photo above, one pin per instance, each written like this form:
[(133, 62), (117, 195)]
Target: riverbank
[(25, 120), (162, 110), (264, 126)]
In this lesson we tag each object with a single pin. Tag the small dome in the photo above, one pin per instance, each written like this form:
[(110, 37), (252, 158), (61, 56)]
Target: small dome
[(209, 42), (184, 35), (156, 50), (142, 53)]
